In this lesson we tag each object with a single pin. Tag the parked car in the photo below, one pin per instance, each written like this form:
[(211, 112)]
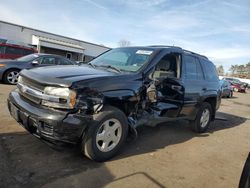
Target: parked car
[(13, 51), (100, 103), (237, 85), (9, 69), (226, 88)]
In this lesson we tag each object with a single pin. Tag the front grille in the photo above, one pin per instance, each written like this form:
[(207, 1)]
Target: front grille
[(30, 84), (29, 97)]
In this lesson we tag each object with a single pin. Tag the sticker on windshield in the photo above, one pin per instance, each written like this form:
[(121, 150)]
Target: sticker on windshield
[(144, 52)]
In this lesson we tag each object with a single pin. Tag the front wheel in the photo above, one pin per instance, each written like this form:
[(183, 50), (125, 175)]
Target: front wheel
[(11, 76), (105, 135), (203, 118)]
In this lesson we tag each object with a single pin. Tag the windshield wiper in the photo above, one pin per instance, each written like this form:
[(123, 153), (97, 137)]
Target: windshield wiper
[(110, 67)]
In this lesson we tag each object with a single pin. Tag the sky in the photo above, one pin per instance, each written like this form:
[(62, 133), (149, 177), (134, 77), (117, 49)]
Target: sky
[(219, 29)]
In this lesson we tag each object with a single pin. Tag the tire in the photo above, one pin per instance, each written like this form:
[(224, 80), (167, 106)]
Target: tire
[(200, 125), (105, 135), (11, 76)]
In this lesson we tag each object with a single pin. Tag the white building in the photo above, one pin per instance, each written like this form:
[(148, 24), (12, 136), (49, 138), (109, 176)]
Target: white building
[(46, 42)]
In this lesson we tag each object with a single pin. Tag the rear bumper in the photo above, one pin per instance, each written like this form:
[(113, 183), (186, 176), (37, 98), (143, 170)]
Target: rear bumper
[(46, 123)]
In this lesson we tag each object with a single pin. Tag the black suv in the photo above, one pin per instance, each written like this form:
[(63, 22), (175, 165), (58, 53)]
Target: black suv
[(100, 103)]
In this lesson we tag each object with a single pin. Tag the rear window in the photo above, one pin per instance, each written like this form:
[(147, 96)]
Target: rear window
[(210, 71), (27, 52), (65, 62)]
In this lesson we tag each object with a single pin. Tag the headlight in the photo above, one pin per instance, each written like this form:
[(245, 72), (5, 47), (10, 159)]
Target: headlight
[(2, 65), (60, 97)]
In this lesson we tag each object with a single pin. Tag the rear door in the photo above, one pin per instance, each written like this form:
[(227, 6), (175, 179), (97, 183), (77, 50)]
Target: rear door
[(194, 83)]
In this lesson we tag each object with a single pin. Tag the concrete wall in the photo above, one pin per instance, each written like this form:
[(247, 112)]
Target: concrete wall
[(24, 34)]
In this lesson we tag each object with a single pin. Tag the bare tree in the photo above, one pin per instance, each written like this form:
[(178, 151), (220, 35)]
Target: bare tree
[(241, 69), (220, 70), (124, 42), (233, 69)]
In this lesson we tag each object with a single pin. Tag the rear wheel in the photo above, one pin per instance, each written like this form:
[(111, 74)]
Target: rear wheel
[(106, 135), (230, 94), (11, 76), (203, 118)]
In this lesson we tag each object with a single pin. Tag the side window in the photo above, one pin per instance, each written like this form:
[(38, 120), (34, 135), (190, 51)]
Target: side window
[(62, 61), (193, 70), (48, 61), (2, 49), (166, 67), (40, 59), (27, 52), (210, 71), (12, 50)]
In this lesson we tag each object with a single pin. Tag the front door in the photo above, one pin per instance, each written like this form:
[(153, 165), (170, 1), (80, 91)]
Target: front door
[(169, 87)]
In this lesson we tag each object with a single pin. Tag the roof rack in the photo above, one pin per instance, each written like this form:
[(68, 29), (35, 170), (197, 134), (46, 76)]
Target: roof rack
[(187, 51), (177, 47), (165, 46)]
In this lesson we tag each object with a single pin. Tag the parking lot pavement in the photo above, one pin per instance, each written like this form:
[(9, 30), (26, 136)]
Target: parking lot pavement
[(169, 155)]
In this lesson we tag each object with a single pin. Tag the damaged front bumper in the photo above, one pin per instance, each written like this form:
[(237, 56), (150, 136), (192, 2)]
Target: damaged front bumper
[(47, 123)]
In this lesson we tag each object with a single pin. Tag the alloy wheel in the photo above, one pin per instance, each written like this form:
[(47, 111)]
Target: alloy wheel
[(108, 135), (12, 77), (204, 118)]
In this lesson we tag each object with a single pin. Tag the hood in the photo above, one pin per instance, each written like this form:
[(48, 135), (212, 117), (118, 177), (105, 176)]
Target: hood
[(64, 75)]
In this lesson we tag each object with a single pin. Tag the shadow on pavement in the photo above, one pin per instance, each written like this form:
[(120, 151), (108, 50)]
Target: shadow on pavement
[(27, 162), (151, 139)]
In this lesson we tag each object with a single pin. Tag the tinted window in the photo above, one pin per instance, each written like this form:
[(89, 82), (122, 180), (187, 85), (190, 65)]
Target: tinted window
[(12, 50), (48, 61), (193, 69), (210, 71), (27, 52), (64, 62), (2, 49)]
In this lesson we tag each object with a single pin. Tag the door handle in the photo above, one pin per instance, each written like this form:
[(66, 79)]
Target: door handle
[(175, 87)]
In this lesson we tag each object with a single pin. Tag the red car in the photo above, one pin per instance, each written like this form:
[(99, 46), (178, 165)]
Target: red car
[(10, 50), (237, 85)]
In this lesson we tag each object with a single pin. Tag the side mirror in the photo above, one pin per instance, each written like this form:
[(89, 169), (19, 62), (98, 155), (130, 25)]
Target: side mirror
[(34, 62)]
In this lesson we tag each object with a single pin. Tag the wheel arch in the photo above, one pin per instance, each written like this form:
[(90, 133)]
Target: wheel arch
[(124, 100), (213, 102)]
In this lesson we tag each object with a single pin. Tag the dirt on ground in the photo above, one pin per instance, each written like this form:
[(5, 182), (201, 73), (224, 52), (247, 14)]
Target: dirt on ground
[(169, 155)]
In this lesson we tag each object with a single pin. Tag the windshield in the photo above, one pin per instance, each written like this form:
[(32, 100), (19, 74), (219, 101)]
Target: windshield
[(124, 59), (30, 57)]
